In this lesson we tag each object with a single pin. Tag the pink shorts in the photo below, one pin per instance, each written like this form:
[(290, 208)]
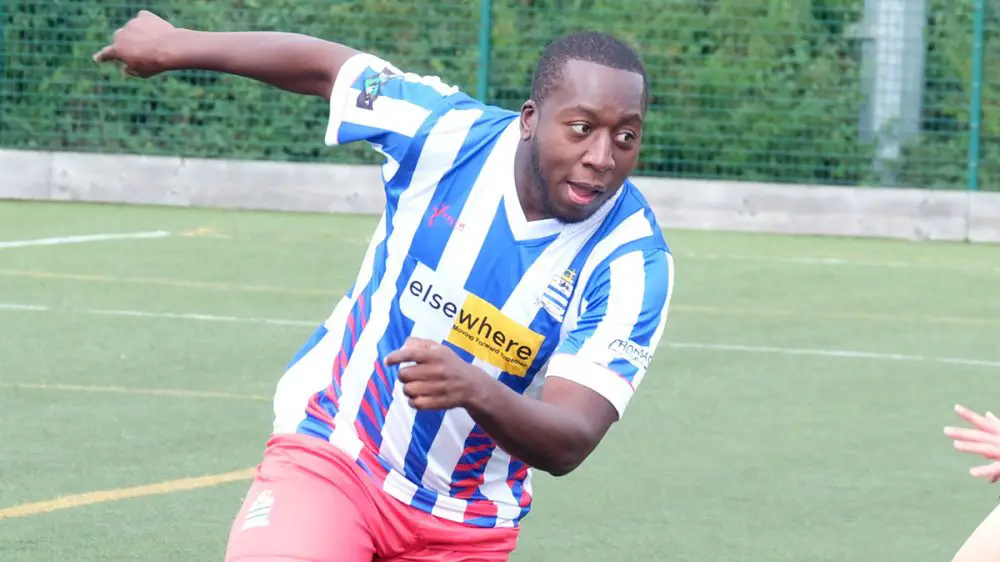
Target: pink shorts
[(311, 503)]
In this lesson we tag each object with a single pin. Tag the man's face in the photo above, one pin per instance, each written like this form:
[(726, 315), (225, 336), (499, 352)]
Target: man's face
[(584, 139)]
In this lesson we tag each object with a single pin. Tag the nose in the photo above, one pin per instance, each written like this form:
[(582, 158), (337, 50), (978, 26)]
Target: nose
[(598, 155)]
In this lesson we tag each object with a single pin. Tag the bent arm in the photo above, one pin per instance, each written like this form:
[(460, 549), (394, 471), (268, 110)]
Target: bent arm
[(593, 373), (289, 61), (554, 434)]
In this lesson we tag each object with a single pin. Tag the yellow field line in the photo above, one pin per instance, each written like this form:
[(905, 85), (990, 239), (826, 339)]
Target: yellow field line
[(680, 307), (89, 498), (144, 391), (228, 287)]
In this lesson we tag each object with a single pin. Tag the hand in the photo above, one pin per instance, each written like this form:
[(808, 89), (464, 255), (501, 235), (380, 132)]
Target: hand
[(984, 441), (137, 45), (436, 378)]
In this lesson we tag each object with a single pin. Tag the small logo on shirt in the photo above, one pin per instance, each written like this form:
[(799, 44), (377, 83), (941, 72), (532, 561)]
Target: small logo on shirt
[(555, 299), (441, 215), (372, 88), (443, 311), (259, 514), (638, 355)]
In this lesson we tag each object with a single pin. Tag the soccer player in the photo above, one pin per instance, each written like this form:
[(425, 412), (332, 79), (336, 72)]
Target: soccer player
[(508, 306), (983, 545)]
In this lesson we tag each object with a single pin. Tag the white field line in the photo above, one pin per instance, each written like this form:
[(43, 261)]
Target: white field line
[(840, 262), (832, 353), (84, 238), (842, 353), (195, 316)]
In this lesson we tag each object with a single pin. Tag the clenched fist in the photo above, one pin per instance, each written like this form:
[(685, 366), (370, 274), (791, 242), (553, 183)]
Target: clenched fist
[(138, 45), (435, 378)]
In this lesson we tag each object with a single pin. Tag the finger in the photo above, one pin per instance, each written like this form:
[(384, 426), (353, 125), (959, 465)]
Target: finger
[(431, 402), (404, 355), (419, 388), (964, 434), (411, 389), (423, 403), (421, 373), (989, 471), (106, 54), (975, 419), (987, 450), (415, 373)]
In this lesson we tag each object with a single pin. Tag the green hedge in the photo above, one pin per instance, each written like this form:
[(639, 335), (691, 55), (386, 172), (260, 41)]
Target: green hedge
[(765, 90)]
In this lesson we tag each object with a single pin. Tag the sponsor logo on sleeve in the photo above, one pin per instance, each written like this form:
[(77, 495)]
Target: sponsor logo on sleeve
[(638, 355)]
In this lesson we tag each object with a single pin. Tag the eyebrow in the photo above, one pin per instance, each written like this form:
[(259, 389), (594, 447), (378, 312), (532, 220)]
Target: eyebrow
[(631, 117)]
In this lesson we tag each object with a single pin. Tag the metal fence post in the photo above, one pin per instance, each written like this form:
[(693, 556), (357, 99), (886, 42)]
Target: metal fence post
[(976, 95), (3, 66), (485, 28)]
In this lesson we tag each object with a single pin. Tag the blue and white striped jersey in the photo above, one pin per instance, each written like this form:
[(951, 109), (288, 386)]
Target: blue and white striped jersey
[(454, 259)]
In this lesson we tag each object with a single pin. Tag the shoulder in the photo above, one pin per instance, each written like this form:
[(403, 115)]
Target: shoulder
[(630, 226), (370, 82)]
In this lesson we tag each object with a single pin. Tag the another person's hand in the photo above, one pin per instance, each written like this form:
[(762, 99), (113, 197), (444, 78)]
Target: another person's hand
[(137, 45), (984, 440)]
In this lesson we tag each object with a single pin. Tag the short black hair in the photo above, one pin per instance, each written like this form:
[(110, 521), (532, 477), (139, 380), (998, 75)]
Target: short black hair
[(589, 46)]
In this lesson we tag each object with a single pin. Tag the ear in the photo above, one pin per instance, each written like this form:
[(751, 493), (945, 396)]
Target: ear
[(529, 119)]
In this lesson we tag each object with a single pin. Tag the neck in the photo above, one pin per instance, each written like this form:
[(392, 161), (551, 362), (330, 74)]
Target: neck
[(526, 185)]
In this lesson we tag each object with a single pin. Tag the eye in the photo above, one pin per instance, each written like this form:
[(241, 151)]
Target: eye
[(581, 128), (626, 137)]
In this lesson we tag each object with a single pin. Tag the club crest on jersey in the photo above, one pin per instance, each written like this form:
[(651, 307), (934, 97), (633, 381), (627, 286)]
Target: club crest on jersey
[(555, 299), (445, 311), (372, 87)]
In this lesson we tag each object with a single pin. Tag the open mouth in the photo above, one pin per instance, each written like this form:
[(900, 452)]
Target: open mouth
[(583, 193)]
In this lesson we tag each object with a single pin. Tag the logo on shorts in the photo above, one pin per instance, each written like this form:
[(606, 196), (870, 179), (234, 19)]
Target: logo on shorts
[(372, 88), (259, 514), (446, 312), (638, 355)]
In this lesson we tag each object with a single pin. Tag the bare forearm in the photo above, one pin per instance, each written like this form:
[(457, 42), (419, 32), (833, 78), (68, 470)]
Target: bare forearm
[(540, 434), (289, 61), (983, 545), (554, 434)]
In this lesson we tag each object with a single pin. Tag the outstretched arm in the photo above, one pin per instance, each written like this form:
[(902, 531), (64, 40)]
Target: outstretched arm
[(148, 45)]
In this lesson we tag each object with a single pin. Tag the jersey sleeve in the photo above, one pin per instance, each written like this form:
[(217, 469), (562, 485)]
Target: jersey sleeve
[(376, 102), (624, 310)]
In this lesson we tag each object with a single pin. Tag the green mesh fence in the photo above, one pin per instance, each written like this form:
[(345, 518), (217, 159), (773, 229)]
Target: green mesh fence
[(835, 92)]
